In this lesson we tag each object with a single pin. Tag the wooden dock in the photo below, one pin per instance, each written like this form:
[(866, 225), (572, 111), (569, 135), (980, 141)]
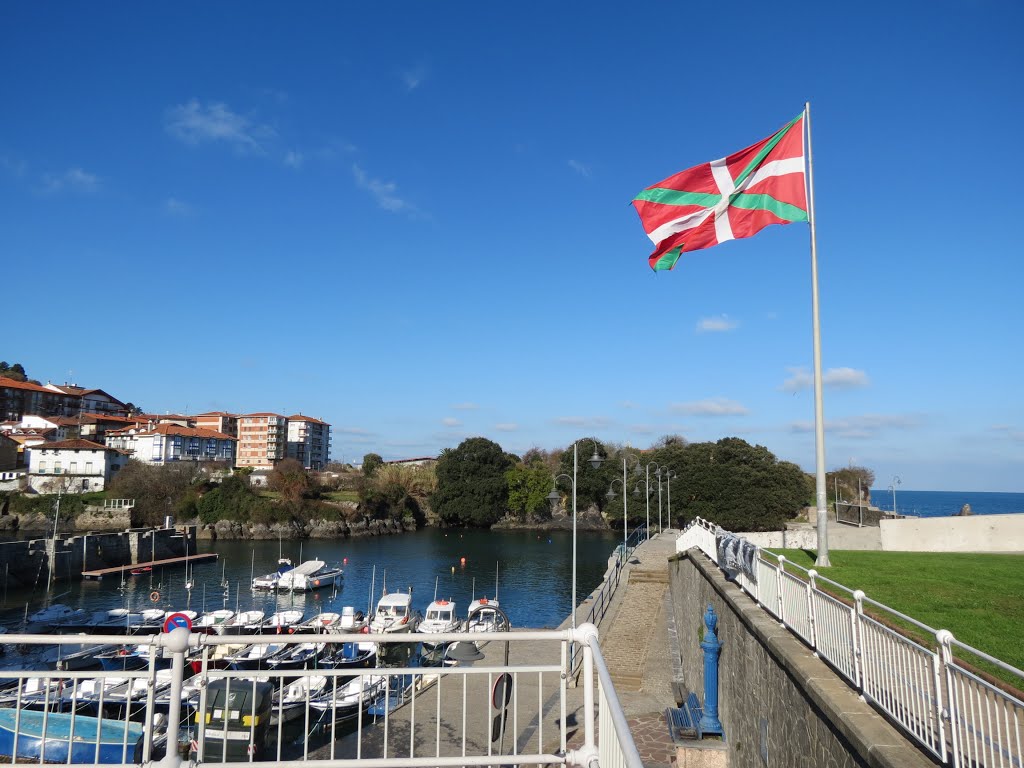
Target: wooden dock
[(99, 573)]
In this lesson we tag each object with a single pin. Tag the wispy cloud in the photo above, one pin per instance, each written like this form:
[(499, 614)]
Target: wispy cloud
[(581, 421), (834, 378), (383, 192), (293, 159), (448, 421), (713, 406), (1013, 433), (716, 324), (175, 207), (73, 179), (194, 123), (860, 427), (466, 407), (414, 77), (641, 429), (352, 430), (580, 168), (507, 427)]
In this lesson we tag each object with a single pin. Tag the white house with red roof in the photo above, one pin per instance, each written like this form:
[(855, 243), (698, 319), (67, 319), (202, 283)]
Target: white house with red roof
[(168, 443), (72, 466)]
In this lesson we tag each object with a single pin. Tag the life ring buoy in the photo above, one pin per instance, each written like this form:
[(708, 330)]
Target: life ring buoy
[(404, 620), (123, 652), (483, 601), (365, 630), (154, 596), (442, 602)]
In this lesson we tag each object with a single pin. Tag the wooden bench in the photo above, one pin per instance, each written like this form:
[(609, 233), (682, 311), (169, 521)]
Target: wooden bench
[(684, 722)]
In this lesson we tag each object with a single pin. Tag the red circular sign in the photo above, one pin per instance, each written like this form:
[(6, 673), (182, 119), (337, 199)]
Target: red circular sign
[(176, 620)]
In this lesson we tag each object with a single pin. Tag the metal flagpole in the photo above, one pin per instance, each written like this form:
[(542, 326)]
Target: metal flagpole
[(819, 419)]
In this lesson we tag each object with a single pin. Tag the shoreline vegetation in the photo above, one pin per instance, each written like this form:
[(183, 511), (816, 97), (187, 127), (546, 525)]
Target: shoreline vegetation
[(474, 485)]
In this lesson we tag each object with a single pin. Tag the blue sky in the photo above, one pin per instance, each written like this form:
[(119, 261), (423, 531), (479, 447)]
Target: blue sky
[(413, 221)]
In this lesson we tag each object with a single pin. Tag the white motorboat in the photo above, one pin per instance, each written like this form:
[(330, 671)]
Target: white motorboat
[(290, 702), (352, 620), (269, 581), (244, 623), (310, 575), (343, 702), (440, 617), (482, 617), (282, 621), (213, 621), (319, 623), (394, 614)]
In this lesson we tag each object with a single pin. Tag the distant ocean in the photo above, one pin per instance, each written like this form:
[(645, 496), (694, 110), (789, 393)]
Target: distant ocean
[(945, 503)]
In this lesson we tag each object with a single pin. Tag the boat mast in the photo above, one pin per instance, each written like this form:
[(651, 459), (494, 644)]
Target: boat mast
[(369, 604), (53, 543)]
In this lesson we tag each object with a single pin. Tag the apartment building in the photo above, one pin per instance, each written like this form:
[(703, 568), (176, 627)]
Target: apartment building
[(169, 443), (218, 421), (18, 398), (262, 440), (309, 441)]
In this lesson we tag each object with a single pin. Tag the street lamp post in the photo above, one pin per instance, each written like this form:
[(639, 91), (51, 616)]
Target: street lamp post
[(554, 497), (625, 500), (895, 481), (647, 487), (657, 474), (668, 481)]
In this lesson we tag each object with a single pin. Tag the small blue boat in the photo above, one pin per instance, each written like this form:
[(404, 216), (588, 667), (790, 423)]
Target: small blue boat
[(80, 735)]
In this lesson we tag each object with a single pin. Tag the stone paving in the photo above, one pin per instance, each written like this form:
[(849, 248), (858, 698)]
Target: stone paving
[(636, 645)]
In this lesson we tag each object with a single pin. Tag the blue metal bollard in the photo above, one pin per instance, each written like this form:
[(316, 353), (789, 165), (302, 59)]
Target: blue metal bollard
[(709, 722)]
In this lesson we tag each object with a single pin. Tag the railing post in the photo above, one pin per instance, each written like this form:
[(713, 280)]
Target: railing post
[(951, 711), (811, 617), (711, 646), (585, 636), (781, 590), (176, 641), (859, 673)]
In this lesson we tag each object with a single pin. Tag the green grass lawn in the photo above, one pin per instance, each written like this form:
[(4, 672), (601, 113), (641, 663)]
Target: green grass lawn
[(979, 598), (342, 496)]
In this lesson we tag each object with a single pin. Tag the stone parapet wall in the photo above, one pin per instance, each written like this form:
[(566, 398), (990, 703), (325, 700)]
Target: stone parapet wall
[(774, 694), (976, 533)]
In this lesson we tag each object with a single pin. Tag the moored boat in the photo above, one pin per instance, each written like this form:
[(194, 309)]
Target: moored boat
[(308, 576), (394, 614)]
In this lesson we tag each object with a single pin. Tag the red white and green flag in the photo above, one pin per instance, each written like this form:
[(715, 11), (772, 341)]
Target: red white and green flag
[(727, 199)]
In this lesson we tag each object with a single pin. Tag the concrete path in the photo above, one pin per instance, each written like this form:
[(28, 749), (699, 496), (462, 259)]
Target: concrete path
[(636, 645)]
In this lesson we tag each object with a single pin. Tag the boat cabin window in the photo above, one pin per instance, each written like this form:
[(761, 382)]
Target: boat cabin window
[(436, 615)]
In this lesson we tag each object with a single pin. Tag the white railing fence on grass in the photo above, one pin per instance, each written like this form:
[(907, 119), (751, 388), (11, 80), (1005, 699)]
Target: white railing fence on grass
[(953, 711)]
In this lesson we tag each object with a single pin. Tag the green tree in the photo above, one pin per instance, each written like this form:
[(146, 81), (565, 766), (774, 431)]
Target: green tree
[(741, 487), (528, 489), (471, 484), (591, 484), (158, 491), (371, 463)]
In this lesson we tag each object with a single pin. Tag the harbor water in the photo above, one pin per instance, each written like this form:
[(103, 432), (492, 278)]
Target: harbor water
[(531, 572), (946, 503)]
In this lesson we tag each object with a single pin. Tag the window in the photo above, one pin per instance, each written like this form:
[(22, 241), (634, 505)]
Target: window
[(74, 468), (42, 467), (88, 467)]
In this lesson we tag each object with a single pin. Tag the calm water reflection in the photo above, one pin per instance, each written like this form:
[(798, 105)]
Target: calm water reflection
[(534, 575)]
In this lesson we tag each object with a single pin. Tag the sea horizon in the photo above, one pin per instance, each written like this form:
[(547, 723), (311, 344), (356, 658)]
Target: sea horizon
[(948, 503)]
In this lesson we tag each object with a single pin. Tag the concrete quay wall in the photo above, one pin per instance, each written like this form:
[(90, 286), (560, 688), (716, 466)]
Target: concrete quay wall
[(776, 698), (27, 563), (973, 533)]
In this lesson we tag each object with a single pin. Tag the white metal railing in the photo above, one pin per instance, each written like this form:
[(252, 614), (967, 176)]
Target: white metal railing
[(118, 503), (956, 713), (184, 704)]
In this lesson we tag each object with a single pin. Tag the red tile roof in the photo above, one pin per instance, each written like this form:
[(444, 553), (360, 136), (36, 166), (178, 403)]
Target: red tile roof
[(265, 413), (78, 445), (300, 417), (15, 384)]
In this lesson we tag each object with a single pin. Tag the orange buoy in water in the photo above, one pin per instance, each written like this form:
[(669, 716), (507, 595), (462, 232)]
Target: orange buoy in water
[(462, 561), (344, 561)]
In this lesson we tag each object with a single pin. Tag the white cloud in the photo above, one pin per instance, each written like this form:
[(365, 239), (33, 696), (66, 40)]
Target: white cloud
[(175, 207), (466, 407), (194, 123), (414, 77), (451, 422), (580, 421), (713, 406), (507, 427), (352, 430), (72, 179), (293, 159), (641, 429), (1013, 433), (382, 191), (834, 378), (716, 324), (580, 168)]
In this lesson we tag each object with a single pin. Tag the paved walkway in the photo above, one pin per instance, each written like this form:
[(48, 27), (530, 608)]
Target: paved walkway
[(634, 641)]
